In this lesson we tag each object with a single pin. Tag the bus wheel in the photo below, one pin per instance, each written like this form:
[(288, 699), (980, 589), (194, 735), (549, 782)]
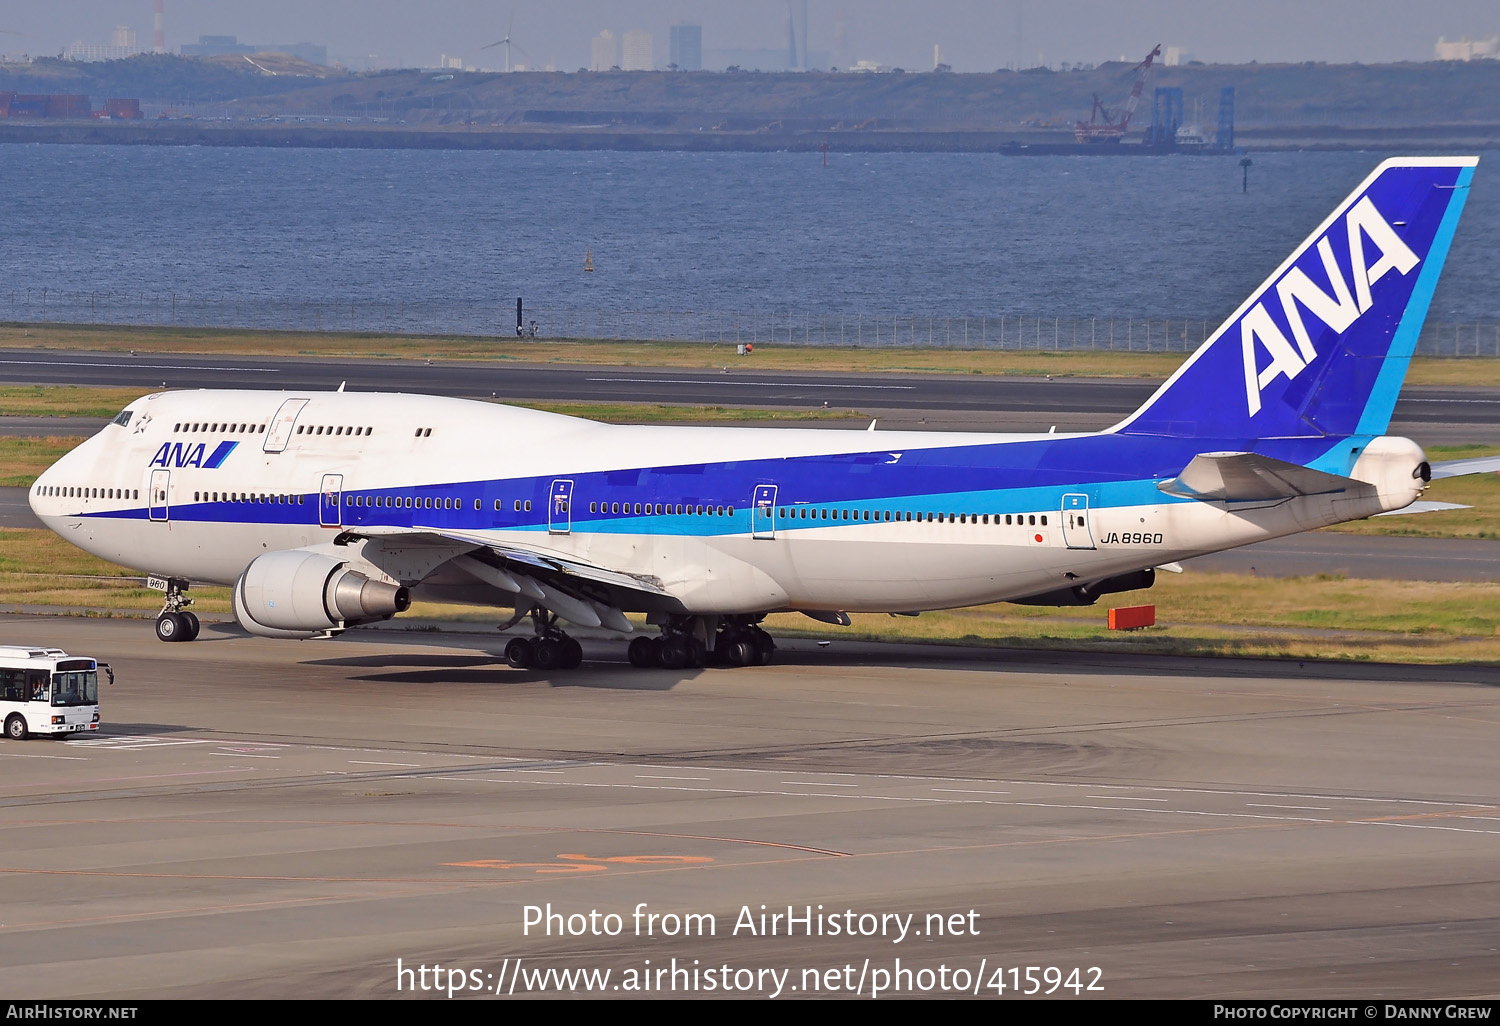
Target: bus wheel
[(15, 728)]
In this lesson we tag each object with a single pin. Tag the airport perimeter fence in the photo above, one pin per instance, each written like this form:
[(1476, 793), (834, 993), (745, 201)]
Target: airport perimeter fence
[(781, 327)]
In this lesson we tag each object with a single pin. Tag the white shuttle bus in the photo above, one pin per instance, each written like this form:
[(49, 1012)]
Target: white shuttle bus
[(47, 691)]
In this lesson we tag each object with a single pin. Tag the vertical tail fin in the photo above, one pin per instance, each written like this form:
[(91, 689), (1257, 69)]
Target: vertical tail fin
[(1321, 348)]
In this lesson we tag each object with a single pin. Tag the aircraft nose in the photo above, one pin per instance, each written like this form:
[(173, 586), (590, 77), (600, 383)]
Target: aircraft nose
[(41, 490)]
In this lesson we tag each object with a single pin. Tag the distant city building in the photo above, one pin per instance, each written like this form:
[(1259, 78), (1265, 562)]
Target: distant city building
[(1468, 49), (796, 35), (606, 52), (687, 47), (1175, 56), (451, 62), (637, 52), (218, 46), (121, 45)]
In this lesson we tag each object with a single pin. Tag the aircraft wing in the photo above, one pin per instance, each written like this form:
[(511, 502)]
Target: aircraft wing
[(1463, 468), (527, 560), (1423, 506), (1251, 477)]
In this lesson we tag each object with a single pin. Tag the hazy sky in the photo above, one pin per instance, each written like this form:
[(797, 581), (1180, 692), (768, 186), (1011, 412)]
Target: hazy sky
[(975, 35)]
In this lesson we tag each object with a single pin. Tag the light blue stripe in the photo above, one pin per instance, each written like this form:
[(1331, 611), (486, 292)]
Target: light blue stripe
[(1047, 499), (1382, 403)]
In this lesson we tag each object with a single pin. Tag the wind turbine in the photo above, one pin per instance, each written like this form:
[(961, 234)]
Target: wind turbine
[(504, 42)]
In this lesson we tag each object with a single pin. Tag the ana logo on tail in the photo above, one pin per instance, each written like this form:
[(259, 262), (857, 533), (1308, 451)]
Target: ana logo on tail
[(1297, 291)]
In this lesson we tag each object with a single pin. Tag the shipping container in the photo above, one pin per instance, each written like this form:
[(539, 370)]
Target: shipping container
[(68, 105), (28, 105), (127, 109)]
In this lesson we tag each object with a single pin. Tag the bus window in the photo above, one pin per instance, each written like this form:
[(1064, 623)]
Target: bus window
[(78, 687), (36, 685)]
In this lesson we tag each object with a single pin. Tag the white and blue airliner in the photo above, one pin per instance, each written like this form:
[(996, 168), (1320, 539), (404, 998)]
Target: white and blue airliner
[(323, 511)]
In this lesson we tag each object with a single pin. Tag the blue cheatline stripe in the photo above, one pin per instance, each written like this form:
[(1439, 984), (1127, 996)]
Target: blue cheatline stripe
[(1027, 476), (219, 455), (1382, 403)]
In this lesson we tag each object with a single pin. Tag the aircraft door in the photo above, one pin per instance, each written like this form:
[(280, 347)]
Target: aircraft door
[(763, 512), (157, 501), (280, 431), (331, 500), (560, 507), (1075, 521)]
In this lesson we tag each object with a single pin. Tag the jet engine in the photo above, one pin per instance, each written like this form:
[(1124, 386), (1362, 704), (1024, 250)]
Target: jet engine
[(296, 594)]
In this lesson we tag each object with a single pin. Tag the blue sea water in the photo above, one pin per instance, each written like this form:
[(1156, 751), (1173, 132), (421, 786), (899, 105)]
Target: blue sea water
[(928, 234)]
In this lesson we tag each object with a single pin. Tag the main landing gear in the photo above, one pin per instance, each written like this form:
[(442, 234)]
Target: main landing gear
[(175, 623), (551, 649), (685, 644)]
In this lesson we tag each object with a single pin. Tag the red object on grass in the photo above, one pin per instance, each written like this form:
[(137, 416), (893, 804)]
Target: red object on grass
[(1128, 618)]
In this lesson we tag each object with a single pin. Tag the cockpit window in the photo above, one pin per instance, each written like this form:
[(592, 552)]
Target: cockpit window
[(123, 419)]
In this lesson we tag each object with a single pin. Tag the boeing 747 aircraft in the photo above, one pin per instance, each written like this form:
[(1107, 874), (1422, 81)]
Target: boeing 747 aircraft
[(324, 511)]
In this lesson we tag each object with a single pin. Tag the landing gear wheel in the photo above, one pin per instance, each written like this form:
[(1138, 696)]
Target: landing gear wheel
[(642, 652), (572, 654), (191, 620), (171, 627), (673, 654), (15, 728), (548, 654), (765, 647), (519, 653), (740, 652)]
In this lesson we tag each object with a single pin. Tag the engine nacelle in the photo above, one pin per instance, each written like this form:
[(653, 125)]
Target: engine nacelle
[(295, 594), (1396, 468)]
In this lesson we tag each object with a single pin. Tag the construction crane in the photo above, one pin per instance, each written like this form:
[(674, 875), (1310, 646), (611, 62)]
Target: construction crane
[(1101, 127)]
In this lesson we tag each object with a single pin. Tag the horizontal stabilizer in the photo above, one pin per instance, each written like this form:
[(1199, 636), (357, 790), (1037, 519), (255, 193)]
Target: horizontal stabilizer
[(1250, 477), (1424, 506), (1463, 468)]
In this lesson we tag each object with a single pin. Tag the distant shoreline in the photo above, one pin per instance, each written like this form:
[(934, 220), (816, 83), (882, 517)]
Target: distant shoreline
[(326, 136)]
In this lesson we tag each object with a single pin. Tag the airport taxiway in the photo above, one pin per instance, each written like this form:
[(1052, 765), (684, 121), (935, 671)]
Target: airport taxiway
[(966, 402), (284, 819)]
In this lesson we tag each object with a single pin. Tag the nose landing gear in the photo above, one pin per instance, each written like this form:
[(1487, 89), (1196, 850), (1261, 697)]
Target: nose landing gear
[(174, 622)]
